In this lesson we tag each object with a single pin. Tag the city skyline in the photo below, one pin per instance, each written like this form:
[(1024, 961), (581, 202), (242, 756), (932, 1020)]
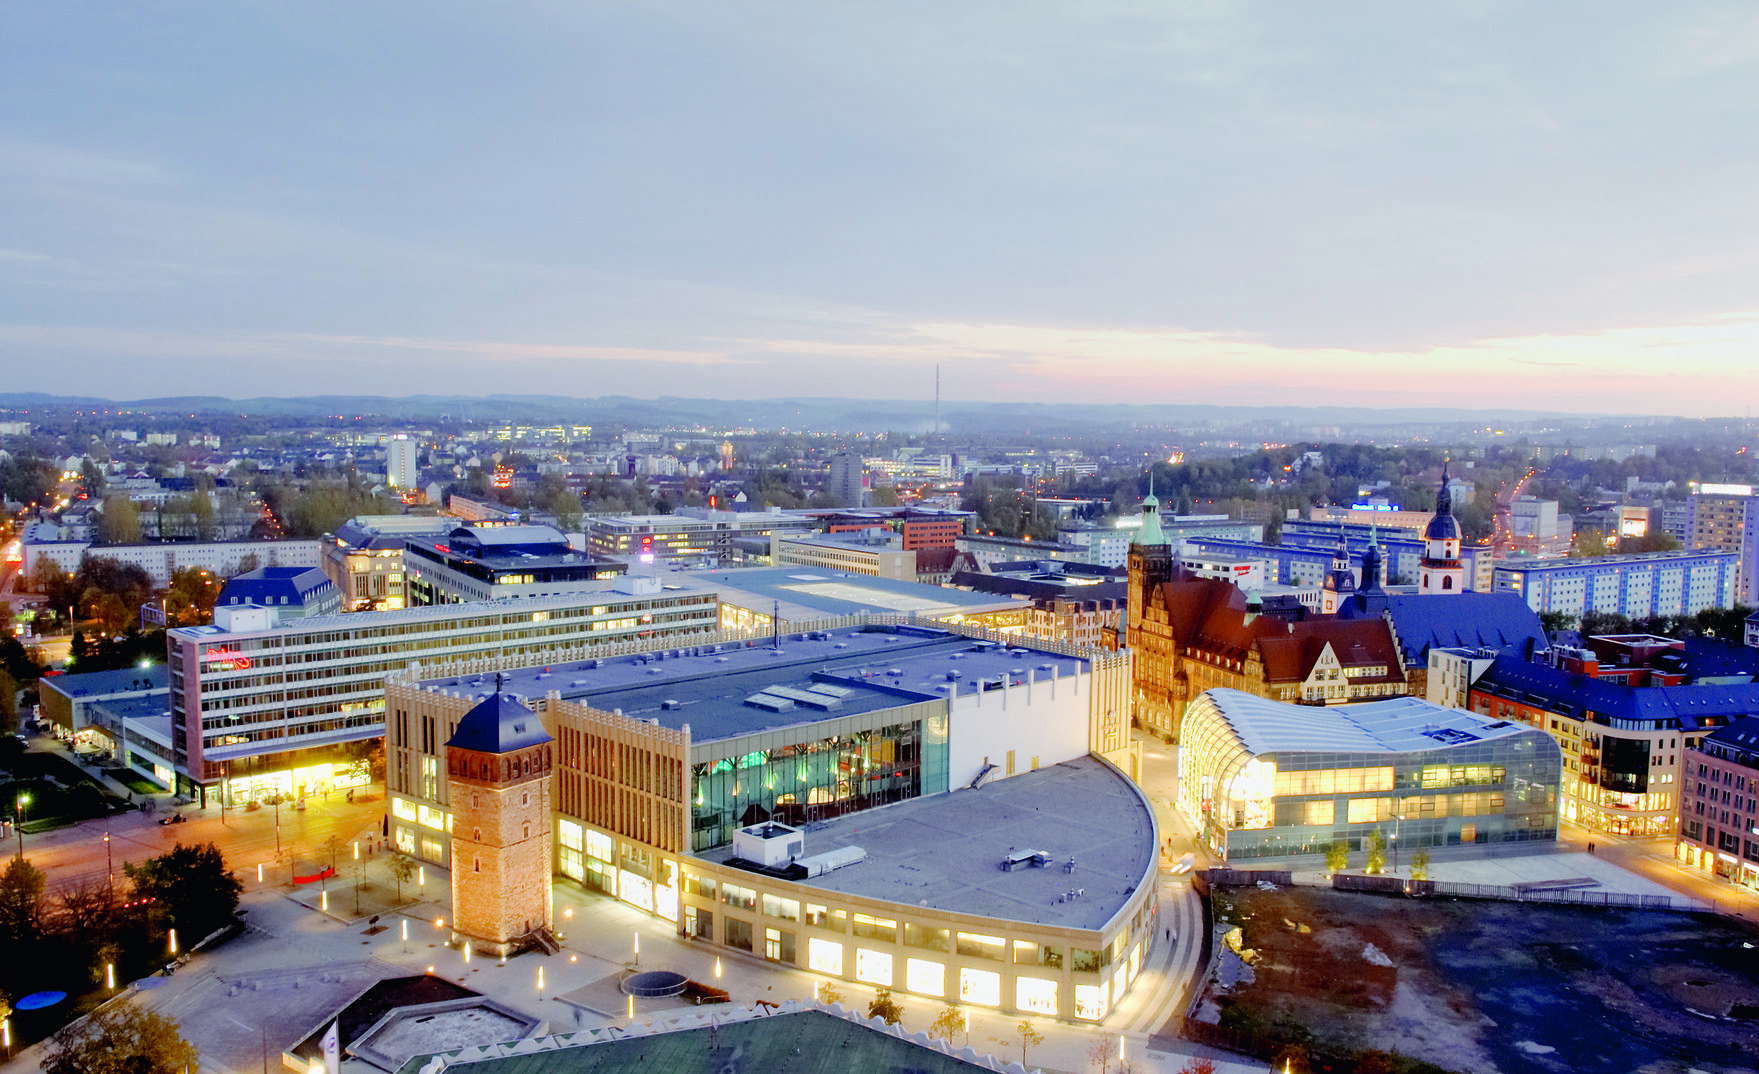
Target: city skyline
[(1231, 204)]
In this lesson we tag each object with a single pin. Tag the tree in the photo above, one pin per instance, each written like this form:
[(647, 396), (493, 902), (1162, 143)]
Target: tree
[(1590, 542), (1376, 851), (119, 522), (91, 478), (565, 505), (8, 700), (950, 1021), (1337, 856), (829, 994), (191, 885), (108, 609), (884, 1006), (402, 870), (1030, 1037), (120, 1038), (1198, 1064), (1553, 622), (86, 909), (190, 596), (1102, 1050), (1420, 864), (51, 579), (21, 901)]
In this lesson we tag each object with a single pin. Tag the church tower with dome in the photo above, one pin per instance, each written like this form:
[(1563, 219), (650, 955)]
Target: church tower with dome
[(498, 766), (1441, 570)]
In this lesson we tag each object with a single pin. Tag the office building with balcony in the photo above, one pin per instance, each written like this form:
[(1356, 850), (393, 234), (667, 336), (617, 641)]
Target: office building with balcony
[(1263, 778)]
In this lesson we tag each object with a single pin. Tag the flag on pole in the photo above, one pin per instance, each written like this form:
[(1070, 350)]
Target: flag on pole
[(332, 1052)]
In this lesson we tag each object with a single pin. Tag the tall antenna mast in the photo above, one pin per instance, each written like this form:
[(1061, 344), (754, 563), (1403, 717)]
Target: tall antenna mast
[(937, 399)]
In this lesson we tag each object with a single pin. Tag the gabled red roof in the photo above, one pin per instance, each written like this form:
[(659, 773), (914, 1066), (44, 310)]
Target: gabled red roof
[(1211, 616)]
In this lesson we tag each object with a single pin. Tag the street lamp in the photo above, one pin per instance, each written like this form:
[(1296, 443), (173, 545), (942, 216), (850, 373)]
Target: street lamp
[(19, 801), (109, 865)]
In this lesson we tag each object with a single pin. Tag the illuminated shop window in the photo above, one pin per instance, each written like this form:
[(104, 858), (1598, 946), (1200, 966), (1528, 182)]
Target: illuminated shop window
[(874, 967), (925, 976), (1035, 994), (982, 987), (1090, 1001), (825, 956)]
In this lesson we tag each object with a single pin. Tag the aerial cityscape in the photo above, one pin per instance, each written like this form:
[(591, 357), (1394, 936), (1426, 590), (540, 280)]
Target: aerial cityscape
[(634, 537)]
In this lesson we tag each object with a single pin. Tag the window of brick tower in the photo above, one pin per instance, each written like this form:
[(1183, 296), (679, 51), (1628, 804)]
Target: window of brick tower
[(524, 798)]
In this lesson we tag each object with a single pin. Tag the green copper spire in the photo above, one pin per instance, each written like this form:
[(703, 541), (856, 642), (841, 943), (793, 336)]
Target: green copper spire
[(1151, 532)]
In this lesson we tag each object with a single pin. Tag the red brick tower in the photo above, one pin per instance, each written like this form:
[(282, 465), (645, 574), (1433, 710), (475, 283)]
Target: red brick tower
[(498, 765)]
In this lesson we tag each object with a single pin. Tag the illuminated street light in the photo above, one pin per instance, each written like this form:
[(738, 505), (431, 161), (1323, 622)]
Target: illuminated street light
[(18, 804), (173, 938)]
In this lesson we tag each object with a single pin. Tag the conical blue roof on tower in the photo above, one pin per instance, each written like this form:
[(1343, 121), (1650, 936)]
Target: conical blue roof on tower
[(500, 724)]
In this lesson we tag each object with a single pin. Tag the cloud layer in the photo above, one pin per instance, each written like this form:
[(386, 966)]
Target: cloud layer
[(1377, 203)]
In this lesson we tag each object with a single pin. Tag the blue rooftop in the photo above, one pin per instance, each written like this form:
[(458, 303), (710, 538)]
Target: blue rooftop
[(1688, 708), (1500, 621), (501, 724), (281, 586)]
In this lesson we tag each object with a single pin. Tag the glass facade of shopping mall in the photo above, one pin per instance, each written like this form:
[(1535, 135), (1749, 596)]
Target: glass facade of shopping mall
[(1494, 789), (801, 782)]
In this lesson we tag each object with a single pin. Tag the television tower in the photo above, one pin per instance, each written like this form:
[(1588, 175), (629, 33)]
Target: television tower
[(937, 399)]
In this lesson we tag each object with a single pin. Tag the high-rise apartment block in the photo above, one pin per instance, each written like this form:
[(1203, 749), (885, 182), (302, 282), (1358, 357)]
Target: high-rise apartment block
[(1725, 518), (402, 462)]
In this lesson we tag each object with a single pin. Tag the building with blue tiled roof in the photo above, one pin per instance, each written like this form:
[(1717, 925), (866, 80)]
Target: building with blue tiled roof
[(1624, 746), (284, 593)]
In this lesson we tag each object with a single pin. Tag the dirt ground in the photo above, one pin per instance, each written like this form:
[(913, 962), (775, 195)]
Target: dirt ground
[(1492, 987)]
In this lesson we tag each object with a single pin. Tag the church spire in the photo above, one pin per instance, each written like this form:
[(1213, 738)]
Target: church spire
[(1371, 561), (1151, 533)]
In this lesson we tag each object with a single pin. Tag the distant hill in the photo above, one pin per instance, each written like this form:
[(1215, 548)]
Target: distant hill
[(804, 414)]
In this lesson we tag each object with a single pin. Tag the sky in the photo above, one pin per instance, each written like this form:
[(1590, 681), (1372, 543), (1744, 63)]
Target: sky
[(1477, 204)]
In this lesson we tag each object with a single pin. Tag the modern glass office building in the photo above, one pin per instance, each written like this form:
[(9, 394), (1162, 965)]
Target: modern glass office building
[(1261, 778)]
